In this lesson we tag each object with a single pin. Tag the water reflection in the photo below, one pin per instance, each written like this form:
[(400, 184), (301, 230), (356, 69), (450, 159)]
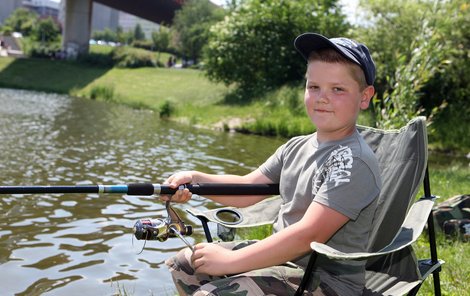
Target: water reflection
[(81, 243)]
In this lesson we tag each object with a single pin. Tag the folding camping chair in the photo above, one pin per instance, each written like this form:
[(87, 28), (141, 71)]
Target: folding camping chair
[(392, 267)]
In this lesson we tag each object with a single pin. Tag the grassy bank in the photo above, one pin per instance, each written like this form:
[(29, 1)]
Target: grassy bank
[(145, 87), (184, 94), (191, 96), (187, 93)]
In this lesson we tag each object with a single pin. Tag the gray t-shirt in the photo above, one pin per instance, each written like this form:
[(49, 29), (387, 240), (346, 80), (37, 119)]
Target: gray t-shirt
[(343, 175)]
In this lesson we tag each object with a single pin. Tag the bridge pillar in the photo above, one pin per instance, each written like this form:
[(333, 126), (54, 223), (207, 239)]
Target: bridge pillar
[(77, 27)]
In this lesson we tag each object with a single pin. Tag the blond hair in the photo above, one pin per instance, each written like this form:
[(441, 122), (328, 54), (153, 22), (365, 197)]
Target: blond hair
[(329, 55)]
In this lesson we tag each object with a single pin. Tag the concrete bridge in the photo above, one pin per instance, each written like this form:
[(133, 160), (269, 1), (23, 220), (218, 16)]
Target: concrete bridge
[(77, 22)]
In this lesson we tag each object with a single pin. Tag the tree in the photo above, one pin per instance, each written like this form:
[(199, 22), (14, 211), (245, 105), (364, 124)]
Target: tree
[(106, 35), (46, 31), (138, 32), (421, 52), (124, 37), (253, 46), (401, 102), (450, 86), (161, 38), (191, 26), (391, 28), (22, 20)]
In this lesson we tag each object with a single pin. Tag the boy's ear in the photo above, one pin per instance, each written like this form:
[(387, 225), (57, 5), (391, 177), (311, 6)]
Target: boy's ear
[(367, 95)]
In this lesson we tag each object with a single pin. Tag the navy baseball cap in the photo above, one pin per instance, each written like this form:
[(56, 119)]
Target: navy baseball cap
[(356, 52)]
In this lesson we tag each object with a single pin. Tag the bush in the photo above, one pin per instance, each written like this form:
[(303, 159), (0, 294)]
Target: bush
[(427, 67), (128, 57), (449, 130), (97, 59), (105, 93), (38, 50), (166, 109), (144, 44)]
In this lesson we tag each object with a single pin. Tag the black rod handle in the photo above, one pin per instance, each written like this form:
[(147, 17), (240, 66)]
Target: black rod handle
[(234, 189)]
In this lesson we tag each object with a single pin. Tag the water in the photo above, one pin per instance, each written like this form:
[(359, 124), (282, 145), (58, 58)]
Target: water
[(79, 244)]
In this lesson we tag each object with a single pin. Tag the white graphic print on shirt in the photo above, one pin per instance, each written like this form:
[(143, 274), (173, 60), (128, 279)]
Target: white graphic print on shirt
[(337, 168)]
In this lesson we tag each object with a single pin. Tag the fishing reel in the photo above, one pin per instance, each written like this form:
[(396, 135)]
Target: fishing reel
[(162, 229)]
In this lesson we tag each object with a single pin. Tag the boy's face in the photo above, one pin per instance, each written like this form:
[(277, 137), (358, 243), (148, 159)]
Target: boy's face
[(333, 99)]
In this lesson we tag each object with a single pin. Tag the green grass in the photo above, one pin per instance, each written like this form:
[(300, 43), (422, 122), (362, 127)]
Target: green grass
[(50, 76), (141, 87), (107, 49), (101, 49), (446, 182), (151, 86)]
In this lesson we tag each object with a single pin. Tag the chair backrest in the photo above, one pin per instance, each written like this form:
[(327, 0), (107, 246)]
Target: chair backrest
[(402, 156)]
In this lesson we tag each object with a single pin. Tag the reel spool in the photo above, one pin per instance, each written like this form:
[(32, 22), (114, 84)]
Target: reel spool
[(161, 229), (158, 229)]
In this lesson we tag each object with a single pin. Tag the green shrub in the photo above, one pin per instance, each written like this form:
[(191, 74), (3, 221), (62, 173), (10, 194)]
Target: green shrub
[(166, 109), (103, 92), (128, 57), (448, 132), (38, 50), (144, 44), (261, 126), (97, 59), (282, 128)]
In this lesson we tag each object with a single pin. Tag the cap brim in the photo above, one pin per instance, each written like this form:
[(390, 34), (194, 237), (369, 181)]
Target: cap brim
[(308, 42)]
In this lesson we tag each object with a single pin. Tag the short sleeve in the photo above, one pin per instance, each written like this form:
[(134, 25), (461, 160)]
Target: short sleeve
[(272, 167), (349, 187)]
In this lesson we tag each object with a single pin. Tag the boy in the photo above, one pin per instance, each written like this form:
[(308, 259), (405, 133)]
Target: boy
[(329, 182)]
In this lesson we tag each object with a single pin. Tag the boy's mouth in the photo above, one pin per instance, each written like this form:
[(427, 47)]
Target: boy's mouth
[(322, 111)]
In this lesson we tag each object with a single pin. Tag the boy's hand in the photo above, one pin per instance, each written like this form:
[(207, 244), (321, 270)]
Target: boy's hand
[(174, 181), (211, 259)]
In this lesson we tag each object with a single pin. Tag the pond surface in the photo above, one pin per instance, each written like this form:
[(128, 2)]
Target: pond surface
[(81, 244)]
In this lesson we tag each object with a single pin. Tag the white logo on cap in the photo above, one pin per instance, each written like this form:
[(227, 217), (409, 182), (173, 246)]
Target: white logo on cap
[(345, 42)]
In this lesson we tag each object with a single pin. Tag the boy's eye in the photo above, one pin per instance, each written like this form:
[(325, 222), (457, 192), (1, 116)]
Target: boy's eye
[(338, 89)]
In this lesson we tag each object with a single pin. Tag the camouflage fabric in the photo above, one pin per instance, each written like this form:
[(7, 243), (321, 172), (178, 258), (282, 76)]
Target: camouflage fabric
[(276, 280)]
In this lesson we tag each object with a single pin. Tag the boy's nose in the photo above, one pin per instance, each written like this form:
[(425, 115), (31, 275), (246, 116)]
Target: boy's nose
[(321, 97)]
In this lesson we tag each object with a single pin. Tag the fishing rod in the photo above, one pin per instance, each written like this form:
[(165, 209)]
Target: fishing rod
[(154, 229), (149, 189)]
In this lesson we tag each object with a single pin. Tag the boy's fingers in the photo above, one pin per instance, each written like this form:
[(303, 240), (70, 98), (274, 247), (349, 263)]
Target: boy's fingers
[(180, 196), (165, 197)]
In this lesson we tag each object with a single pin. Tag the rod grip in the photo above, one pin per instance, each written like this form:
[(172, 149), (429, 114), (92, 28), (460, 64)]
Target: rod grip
[(140, 189), (234, 189)]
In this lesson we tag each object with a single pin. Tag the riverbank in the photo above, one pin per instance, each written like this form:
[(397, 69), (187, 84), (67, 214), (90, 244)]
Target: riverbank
[(185, 95)]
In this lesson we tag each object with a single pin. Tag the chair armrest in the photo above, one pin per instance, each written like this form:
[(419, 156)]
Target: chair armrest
[(409, 232), (261, 213)]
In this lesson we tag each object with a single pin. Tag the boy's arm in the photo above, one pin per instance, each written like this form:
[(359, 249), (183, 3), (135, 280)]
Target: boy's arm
[(318, 224), (255, 177)]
